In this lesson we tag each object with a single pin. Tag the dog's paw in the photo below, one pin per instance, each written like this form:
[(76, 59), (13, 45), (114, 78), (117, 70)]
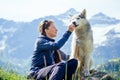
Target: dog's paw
[(86, 73)]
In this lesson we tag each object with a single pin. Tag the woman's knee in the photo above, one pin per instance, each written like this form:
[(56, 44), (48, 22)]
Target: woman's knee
[(74, 62)]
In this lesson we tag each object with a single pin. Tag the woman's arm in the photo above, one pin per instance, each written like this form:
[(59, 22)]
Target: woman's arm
[(54, 45)]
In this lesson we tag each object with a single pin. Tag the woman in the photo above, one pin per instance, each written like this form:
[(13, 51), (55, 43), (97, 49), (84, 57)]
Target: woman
[(46, 60)]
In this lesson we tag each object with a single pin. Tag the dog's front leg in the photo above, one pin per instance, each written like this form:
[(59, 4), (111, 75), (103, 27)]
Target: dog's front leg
[(86, 67)]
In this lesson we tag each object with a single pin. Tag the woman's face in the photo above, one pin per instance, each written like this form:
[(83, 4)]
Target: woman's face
[(51, 31)]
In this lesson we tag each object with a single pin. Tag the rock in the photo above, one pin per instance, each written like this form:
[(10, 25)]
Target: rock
[(107, 77), (98, 76)]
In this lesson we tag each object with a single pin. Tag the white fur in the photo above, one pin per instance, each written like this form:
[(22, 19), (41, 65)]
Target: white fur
[(82, 43)]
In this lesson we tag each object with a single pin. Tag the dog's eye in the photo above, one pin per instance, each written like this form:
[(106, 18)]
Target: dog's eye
[(78, 18), (81, 16)]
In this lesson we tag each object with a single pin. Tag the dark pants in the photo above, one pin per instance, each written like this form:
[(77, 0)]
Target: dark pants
[(58, 71)]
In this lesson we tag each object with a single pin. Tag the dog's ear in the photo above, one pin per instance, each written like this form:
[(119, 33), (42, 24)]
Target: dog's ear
[(84, 13)]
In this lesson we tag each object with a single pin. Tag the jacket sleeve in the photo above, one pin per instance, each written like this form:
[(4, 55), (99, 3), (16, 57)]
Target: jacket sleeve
[(54, 45)]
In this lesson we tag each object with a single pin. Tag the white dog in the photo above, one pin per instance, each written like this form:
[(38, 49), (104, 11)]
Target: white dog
[(82, 43)]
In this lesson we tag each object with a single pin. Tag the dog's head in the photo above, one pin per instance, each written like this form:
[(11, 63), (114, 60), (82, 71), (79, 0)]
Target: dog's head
[(79, 19)]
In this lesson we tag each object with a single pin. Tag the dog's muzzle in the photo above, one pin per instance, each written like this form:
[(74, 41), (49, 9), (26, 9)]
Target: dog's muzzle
[(75, 24)]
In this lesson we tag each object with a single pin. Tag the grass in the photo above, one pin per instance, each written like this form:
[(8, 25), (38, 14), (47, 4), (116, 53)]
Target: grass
[(112, 67), (10, 75)]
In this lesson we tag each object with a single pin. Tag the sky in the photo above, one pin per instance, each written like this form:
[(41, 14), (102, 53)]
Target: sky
[(28, 10)]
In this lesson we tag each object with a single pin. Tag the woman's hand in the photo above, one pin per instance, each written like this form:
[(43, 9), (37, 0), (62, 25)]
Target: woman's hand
[(71, 27)]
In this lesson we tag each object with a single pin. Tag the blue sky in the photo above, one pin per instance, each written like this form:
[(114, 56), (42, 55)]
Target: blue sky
[(27, 10)]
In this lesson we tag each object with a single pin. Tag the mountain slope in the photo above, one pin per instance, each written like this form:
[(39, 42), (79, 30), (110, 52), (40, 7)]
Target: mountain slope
[(106, 43), (101, 18)]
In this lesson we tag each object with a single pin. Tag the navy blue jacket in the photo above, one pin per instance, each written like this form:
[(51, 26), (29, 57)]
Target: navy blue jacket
[(44, 50)]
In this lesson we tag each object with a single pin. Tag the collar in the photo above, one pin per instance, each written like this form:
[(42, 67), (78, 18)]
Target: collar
[(45, 37)]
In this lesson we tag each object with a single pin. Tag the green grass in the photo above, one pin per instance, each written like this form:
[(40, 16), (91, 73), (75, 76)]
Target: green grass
[(112, 67), (10, 75), (118, 78)]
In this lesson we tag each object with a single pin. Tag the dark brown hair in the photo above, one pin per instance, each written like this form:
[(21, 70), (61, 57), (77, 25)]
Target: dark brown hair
[(44, 25)]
